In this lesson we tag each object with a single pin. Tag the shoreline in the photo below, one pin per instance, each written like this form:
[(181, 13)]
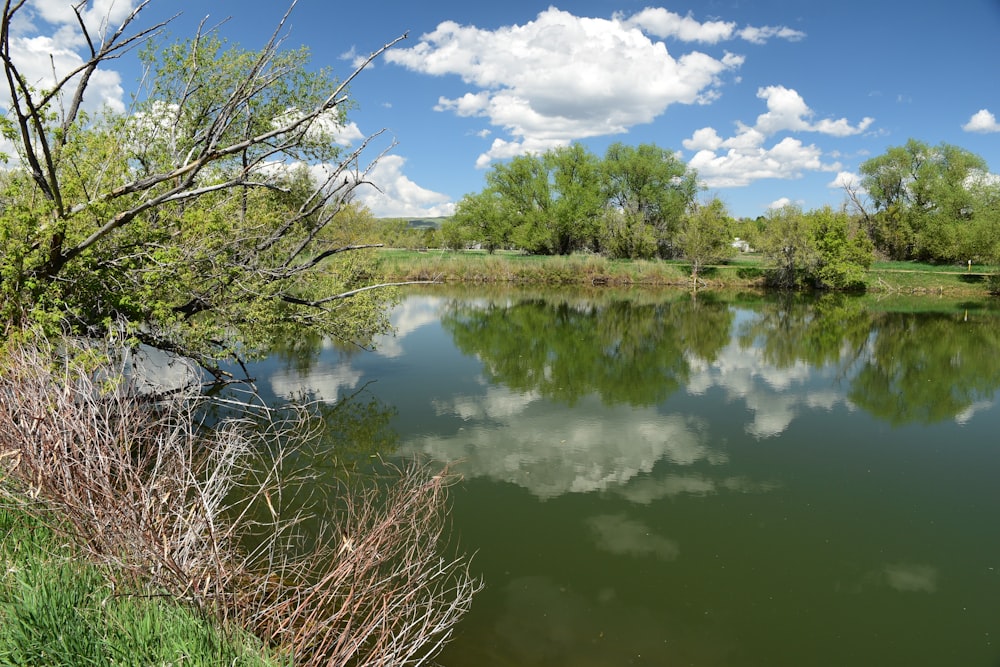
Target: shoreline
[(583, 270)]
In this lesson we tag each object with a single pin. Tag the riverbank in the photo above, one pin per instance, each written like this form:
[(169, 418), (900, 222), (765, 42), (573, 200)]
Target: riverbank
[(58, 608), (746, 271)]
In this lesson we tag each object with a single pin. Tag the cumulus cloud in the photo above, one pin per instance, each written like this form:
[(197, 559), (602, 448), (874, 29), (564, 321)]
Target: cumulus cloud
[(787, 111), (744, 158), (395, 195), (661, 22), (47, 40), (562, 77), (846, 179), (982, 121)]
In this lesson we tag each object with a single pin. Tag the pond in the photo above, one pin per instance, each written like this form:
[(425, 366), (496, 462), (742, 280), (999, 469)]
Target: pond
[(652, 479)]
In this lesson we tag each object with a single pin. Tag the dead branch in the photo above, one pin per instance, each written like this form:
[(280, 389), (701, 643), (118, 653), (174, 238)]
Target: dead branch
[(215, 517)]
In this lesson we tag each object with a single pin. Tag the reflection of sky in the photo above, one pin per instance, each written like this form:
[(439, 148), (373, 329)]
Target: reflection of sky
[(646, 490), (911, 577), (410, 315), (620, 535), (327, 380), (551, 449), (966, 415), (774, 395), (333, 375)]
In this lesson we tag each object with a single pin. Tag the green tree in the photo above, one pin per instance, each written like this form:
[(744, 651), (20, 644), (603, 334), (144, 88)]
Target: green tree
[(705, 235), (523, 187), (922, 200), (196, 220), (788, 241), (479, 218), (576, 206), (652, 188), (844, 254)]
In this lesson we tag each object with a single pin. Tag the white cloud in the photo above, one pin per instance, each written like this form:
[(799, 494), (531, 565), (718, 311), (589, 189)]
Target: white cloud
[(788, 159), (46, 39), (562, 77), (44, 59), (982, 121), (743, 158), (663, 23), (787, 111), (779, 203), (397, 196), (763, 34), (846, 179)]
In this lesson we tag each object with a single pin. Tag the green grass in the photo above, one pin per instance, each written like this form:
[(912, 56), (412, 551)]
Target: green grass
[(57, 610), (742, 271), (517, 268)]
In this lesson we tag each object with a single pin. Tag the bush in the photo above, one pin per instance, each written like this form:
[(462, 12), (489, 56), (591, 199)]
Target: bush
[(168, 506)]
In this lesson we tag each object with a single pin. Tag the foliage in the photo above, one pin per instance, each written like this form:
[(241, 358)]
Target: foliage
[(478, 218), (651, 186), (705, 235), (576, 205), (929, 202), (788, 241), (210, 216), (817, 248), (627, 205), (844, 254)]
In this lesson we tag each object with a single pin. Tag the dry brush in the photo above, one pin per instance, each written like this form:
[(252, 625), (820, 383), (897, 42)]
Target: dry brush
[(228, 518)]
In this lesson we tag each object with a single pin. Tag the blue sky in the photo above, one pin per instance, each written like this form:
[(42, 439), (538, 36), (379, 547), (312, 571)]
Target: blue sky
[(769, 100)]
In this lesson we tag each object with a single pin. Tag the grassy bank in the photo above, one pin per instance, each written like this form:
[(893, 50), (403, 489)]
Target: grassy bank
[(742, 272), (58, 609)]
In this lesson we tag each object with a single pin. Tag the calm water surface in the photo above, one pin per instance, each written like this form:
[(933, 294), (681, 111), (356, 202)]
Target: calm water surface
[(652, 480)]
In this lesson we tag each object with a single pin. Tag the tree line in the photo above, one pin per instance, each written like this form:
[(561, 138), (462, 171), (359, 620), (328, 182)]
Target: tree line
[(936, 204)]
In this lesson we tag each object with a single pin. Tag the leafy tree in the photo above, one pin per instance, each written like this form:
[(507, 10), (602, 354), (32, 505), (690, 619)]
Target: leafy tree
[(705, 235), (479, 218), (523, 187), (576, 206), (819, 248), (789, 242), (844, 254), (651, 186), (626, 234), (197, 220), (922, 200)]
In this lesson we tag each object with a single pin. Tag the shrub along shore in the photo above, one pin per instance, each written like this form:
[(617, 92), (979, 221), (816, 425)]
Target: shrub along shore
[(746, 271)]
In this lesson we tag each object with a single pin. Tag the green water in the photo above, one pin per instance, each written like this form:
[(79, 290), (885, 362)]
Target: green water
[(652, 480)]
